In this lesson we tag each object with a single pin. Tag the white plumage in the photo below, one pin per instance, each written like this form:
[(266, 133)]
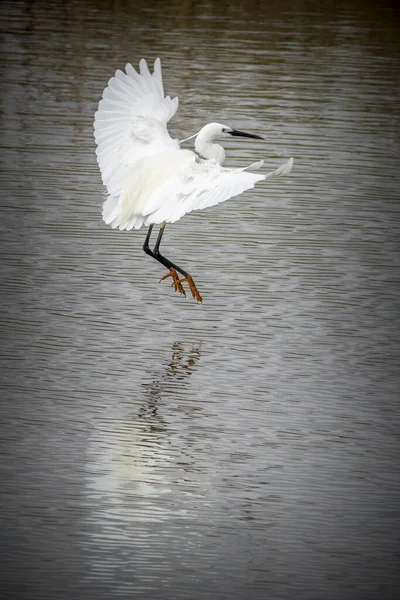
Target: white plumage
[(149, 178)]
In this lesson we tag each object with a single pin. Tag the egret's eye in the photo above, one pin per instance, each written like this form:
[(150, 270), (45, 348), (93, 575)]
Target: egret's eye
[(224, 130)]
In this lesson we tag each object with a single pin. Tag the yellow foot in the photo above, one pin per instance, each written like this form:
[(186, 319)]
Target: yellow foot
[(178, 287), (192, 287), (176, 282)]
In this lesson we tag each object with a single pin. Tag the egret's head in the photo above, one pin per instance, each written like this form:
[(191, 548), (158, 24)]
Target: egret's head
[(213, 131), (217, 130), (204, 145)]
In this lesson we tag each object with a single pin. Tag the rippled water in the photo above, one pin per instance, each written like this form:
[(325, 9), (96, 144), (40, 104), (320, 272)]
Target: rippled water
[(243, 448)]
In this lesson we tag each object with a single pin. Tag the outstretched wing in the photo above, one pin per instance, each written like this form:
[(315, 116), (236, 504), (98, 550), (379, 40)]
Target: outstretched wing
[(131, 122), (167, 186), (201, 185)]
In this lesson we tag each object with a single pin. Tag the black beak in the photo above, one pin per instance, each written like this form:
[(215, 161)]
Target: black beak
[(244, 134)]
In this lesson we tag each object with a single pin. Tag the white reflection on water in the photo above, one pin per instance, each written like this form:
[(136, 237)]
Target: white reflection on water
[(131, 460)]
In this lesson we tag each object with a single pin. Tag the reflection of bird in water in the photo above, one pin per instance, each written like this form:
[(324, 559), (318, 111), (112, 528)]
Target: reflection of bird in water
[(180, 366), (137, 458), (132, 451)]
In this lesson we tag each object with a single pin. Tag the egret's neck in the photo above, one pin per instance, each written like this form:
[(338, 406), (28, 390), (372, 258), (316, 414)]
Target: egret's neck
[(207, 149)]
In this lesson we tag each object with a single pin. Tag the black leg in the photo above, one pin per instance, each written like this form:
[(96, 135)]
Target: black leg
[(156, 254), (146, 246), (165, 261), (160, 234)]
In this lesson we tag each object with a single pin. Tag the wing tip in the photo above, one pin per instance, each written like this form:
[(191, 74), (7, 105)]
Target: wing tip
[(287, 167), (282, 170)]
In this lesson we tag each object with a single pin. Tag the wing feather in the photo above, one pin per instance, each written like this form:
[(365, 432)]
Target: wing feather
[(179, 186), (131, 121), (201, 185)]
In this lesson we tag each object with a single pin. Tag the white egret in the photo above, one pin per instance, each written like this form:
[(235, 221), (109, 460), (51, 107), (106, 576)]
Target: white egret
[(149, 178)]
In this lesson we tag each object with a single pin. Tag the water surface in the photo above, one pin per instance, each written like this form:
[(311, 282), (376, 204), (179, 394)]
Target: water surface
[(243, 448)]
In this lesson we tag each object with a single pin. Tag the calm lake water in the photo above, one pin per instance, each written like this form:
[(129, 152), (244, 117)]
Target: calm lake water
[(246, 448)]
